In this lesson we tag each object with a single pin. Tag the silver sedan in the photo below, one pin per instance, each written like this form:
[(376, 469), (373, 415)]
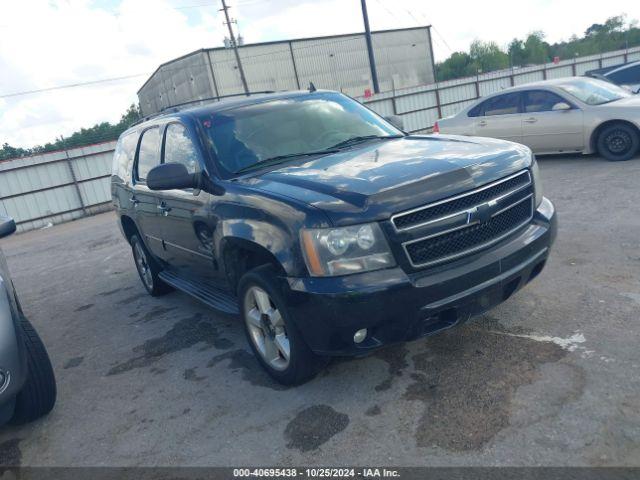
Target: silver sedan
[(574, 114)]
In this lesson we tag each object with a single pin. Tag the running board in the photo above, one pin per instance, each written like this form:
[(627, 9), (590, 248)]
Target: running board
[(209, 295)]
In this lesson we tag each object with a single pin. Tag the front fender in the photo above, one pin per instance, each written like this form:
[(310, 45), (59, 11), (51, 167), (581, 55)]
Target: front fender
[(278, 242)]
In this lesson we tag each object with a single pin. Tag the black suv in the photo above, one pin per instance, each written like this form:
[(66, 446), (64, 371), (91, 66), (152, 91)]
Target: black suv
[(328, 229), (27, 382)]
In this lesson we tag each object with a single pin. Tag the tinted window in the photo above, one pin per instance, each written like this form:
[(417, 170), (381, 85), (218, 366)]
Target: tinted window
[(540, 101), (628, 75), (476, 111), (241, 137), (149, 155), (178, 147), (502, 105), (123, 156)]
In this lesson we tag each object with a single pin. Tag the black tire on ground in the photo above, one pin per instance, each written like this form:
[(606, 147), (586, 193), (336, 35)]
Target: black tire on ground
[(148, 269), (303, 364), (618, 142), (38, 395)]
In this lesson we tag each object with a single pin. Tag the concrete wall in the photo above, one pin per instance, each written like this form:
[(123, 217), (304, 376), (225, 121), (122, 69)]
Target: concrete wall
[(403, 59)]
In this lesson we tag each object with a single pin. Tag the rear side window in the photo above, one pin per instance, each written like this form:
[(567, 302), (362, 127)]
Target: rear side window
[(476, 111), (628, 75), (541, 101), (502, 105), (178, 147), (124, 154), (149, 154)]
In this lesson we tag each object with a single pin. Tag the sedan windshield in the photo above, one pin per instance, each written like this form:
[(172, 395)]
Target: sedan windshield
[(594, 92), (269, 132)]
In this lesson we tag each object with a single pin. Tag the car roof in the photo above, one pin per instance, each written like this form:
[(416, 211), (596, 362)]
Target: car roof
[(219, 105), (622, 67)]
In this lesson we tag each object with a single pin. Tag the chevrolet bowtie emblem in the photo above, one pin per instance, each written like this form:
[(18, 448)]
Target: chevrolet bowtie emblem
[(481, 213)]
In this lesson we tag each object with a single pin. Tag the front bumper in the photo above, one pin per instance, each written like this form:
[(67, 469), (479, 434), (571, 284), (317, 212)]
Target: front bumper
[(395, 306)]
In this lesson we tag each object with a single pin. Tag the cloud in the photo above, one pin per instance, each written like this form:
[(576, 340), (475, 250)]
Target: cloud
[(45, 43)]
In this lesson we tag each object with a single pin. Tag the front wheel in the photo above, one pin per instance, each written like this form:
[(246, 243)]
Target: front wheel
[(272, 334), (38, 395), (618, 142)]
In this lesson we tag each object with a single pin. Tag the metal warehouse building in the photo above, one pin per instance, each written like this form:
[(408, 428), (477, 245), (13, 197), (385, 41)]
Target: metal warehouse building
[(403, 57)]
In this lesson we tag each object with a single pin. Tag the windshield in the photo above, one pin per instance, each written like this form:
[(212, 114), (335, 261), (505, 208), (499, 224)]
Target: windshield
[(245, 136), (594, 92)]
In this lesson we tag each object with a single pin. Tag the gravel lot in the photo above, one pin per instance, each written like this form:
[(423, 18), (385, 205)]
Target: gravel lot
[(551, 377)]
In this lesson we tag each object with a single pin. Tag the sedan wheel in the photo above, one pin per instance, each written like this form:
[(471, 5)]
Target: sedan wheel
[(266, 328), (618, 142)]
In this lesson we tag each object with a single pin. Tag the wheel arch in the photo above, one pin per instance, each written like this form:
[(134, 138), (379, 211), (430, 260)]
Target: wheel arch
[(129, 227), (240, 255)]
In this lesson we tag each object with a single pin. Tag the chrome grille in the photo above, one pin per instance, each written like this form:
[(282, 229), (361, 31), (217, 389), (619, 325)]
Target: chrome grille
[(467, 223), (423, 215)]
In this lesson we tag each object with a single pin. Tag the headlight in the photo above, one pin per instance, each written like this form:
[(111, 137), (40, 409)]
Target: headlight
[(340, 251), (537, 183)]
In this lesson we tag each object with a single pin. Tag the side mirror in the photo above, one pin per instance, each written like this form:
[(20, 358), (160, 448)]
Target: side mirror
[(7, 226), (396, 121), (172, 176), (561, 106)]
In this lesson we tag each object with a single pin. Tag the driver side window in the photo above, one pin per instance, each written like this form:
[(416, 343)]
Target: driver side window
[(178, 147), (541, 101)]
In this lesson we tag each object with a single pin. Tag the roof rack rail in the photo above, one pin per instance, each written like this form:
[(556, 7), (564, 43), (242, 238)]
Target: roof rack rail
[(176, 107)]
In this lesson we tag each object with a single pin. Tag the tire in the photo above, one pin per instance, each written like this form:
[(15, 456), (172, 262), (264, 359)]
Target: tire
[(148, 269), (38, 395), (618, 142), (302, 364)]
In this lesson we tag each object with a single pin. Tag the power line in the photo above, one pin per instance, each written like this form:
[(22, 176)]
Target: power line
[(347, 38), (72, 85)]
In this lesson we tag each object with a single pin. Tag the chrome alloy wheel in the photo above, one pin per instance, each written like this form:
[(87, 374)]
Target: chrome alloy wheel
[(142, 264), (266, 328)]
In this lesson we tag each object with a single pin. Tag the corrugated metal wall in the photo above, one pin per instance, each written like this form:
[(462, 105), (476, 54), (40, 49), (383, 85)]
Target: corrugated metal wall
[(56, 187), (403, 58), (61, 186), (420, 107)]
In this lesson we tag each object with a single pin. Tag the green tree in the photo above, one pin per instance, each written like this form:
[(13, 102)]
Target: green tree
[(100, 132), (487, 56), (459, 64)]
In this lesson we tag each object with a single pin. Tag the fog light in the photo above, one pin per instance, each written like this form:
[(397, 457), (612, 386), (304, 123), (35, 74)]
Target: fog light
[(360, 335)]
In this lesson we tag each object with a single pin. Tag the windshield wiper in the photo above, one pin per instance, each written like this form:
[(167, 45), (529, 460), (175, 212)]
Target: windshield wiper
[(280, 158), (363, 138)]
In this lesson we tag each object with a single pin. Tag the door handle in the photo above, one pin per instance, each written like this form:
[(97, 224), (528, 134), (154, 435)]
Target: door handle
[(531, 120), (482, 123), (134, 201), (164, 209)]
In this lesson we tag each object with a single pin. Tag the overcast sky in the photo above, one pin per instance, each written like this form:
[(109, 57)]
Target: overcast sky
[(47, 43)]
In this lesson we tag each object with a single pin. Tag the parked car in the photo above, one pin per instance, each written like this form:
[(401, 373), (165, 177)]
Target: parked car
[(557, 116), (27, 382), (326, 228), (627, 75)]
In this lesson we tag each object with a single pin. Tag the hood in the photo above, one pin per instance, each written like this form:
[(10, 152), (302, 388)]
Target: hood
[(378, 179), (627, 102)]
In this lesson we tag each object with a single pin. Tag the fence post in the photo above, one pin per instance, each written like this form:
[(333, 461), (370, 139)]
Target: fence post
[(293, 62), (75, 182), (478, 85), (393, 96), (438, 104)]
